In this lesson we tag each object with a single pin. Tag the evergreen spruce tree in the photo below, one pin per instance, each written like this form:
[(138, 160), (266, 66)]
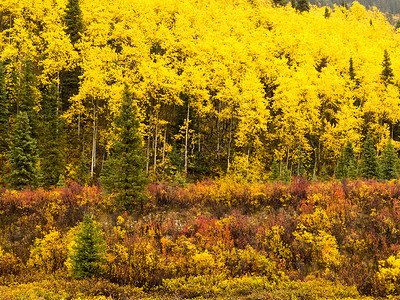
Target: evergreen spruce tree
[(28, 95), (51, 148), (69, 79), (327, 13), (293, 3), (300, 163), (302, 5), (397, 25), (4, 113), (280, 2), (388, 162), (4, 122), (61, 181), (88, 253), (124, 168), (369, 166), (73, 21), (285, 175), (22, 155), (274, 171), (83, 170), (324, 173), (341, 169), (352, 169), (347, 164), (387, 72)]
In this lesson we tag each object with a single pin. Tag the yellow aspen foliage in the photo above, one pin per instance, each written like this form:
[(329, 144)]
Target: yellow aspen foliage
[(215, 80)]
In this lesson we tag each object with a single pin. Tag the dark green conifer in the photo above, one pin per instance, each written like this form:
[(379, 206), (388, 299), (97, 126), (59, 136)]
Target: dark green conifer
[(61, 181), (388, 162), (327, 13), (124, 169), (51, 150), (397, 25), (324, 173), (74, 28), (347, 164), (22, 155), (302, 5), (369, 166), (88, 253), (285, 175), (387, 72), (341, 169), (300, 163), (83, 170), (28, 96), (274, 171), (73, 21), (352, 171), (280, 2), (4, 113)]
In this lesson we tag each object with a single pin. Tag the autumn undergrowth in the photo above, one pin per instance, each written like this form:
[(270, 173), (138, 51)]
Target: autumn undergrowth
[(214, 239)]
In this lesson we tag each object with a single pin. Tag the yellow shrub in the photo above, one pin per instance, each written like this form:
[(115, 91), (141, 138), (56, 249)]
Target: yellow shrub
[(49, 253), (389, 274)]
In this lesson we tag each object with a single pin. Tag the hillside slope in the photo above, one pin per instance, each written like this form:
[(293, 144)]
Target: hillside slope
[(387, 6)]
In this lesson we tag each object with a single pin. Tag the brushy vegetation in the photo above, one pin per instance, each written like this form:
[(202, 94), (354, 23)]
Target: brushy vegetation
[(211, 239)]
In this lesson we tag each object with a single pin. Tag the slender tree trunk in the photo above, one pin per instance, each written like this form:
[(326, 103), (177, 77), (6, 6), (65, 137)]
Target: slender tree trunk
[(229, 143), (94, 141), (164, 142), (198, 136), (148, 148), (315, 163), (58, 98), (218, 129), (79, 123), (148, 154), (287, 158), (186, 138), (319, 150), (248, 161), (156, 140)]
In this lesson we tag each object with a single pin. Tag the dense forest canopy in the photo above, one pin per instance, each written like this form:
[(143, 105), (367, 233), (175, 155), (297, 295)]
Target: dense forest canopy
[(222, 86)]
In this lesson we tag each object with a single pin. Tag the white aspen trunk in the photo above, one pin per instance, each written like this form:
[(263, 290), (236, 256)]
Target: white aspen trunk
[(218, 130), (156, 141), (198, 138), (229, 144), (58, 97), (186, 138), (94, 141), (287, 158), (315, 164), (148, 155), (79, 122), (164, 142), (248, 160)]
